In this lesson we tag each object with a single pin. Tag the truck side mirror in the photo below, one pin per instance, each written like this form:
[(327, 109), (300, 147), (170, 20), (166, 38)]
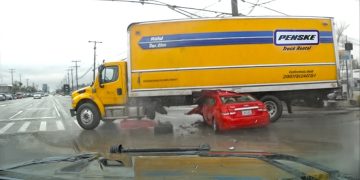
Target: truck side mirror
[(100, 70)]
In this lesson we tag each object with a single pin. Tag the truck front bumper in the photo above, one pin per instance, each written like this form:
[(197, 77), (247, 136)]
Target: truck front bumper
[(72, 112)]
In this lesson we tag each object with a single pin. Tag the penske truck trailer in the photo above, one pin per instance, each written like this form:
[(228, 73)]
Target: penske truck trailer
[(276, 59)]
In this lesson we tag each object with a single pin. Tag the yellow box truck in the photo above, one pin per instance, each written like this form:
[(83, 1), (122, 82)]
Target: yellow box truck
[(272, 58)]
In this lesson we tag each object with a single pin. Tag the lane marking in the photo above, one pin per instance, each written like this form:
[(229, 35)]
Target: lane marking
[(16, 114), (31, 109), (42, 126), (60, 125), (75, 121), (6, 127), (33, 118), (57, 111), (24, 126), (61, 108), (3, 105)]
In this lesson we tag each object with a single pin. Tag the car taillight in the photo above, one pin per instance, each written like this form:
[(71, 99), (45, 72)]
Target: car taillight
[(262, 108), (226, 112)]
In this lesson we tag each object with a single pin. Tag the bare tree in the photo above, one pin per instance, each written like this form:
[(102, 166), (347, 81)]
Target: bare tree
[(340, 28)]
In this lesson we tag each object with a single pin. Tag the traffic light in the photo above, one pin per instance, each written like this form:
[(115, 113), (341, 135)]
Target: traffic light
[(66, 89), (348, 46)]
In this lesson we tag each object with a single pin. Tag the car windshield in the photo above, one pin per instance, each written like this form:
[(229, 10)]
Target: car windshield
[(254, 77), (236, 99)]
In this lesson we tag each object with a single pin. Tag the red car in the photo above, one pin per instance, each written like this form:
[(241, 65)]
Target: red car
[(225, 110)]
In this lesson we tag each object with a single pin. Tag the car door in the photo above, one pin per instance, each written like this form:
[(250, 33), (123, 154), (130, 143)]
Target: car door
[(111, 90), (208, 108)]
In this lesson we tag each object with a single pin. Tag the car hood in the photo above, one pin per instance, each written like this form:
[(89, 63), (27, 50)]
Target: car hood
[(203, 165)]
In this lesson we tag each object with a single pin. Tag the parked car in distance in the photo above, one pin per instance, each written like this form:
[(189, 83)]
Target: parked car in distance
[(9, 96), (2, 97), (37, 96), (225, 110), (19, 95)]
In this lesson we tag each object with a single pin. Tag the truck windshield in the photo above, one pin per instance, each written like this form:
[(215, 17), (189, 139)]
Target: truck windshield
[(236, 99)]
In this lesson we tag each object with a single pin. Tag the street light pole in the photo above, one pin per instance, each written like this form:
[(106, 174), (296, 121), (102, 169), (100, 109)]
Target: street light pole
[(95, 42)]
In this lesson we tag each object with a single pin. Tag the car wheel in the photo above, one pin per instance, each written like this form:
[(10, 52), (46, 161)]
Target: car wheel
[(88, 116), (274, 107)]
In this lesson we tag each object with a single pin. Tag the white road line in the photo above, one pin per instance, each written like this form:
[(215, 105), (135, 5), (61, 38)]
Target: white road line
[(3, 105), (6, 127), (75, 121), (33, 118), (57, 111), (16, 114), (29, 109), (24, 126), (60, 125), (42, 126)]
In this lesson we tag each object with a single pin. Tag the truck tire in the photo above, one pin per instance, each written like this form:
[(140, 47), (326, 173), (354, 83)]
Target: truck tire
[(88, 116), (274, 106)]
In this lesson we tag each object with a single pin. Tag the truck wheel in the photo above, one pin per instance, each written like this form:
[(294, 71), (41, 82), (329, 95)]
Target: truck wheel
[(274, 107), (88, 116)]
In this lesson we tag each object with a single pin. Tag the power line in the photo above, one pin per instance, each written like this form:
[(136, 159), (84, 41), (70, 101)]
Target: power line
[(253, 7), (181, 11), (258, 4), (265, 7), (83, 75), (158, 3)]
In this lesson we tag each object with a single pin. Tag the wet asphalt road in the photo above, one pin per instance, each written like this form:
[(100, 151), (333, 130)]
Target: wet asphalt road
[(34, 128)]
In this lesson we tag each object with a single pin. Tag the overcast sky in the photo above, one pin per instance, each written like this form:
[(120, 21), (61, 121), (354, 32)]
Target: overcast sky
[(40, 38)]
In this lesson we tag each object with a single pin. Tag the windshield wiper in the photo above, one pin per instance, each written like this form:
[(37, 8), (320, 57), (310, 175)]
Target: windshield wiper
[(163, 151), (85, 157)]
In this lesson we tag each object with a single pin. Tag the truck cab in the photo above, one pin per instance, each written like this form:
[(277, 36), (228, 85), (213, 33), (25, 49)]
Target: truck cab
[(105, 99)]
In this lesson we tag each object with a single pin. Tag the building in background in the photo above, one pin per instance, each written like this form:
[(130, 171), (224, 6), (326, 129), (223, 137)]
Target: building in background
[(4, 88), (45, 88)]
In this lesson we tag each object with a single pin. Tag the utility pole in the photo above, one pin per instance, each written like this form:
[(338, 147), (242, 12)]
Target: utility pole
[(234, 8), (20, 78), (72, 78), (95, 42), (12, 75), (76, 73), (27, 82), (68, 75)]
